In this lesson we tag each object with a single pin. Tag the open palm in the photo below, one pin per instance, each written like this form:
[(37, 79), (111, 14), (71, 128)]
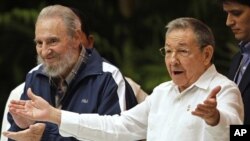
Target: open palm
[(35, 109)]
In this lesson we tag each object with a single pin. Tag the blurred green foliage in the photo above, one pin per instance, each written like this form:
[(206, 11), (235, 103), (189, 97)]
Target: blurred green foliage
[(127, 32)]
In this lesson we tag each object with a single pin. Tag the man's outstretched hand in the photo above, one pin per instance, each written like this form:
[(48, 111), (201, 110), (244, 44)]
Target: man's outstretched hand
[(36, 109), (208, 109)]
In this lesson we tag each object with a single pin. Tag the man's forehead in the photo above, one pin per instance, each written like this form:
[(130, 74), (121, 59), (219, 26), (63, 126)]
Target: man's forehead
[(180, 35)]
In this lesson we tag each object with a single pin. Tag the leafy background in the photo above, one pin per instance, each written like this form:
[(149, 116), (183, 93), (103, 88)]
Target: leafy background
[(127, 32)]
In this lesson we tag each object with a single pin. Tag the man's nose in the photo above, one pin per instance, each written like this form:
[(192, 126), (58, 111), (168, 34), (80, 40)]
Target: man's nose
[(230, 20), (46, 49), (173, 57)]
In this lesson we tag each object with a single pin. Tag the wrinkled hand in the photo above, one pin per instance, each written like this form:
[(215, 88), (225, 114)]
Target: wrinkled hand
[(33, 133), (19, 120), (34, 109), (208, 110)]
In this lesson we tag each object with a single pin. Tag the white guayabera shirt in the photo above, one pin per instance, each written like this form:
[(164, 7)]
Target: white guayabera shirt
[(165, 115)]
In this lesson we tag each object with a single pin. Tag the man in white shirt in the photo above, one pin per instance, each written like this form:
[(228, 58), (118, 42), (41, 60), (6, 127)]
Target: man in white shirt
[(199, 104)]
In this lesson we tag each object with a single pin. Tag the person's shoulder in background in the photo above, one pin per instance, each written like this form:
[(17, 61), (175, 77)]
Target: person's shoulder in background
[(14, 94), (140, 94)]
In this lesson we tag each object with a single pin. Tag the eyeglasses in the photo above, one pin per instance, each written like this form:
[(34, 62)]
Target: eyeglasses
[(167, 52)]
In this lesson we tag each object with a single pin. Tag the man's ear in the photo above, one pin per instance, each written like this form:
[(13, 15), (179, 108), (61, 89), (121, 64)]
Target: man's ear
[(78, 37), (208, 54)]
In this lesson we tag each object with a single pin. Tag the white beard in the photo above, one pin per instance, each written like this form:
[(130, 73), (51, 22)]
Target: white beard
[(63, 65)]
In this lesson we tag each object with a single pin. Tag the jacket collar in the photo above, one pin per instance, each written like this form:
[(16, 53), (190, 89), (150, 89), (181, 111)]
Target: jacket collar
[(244, 47)]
